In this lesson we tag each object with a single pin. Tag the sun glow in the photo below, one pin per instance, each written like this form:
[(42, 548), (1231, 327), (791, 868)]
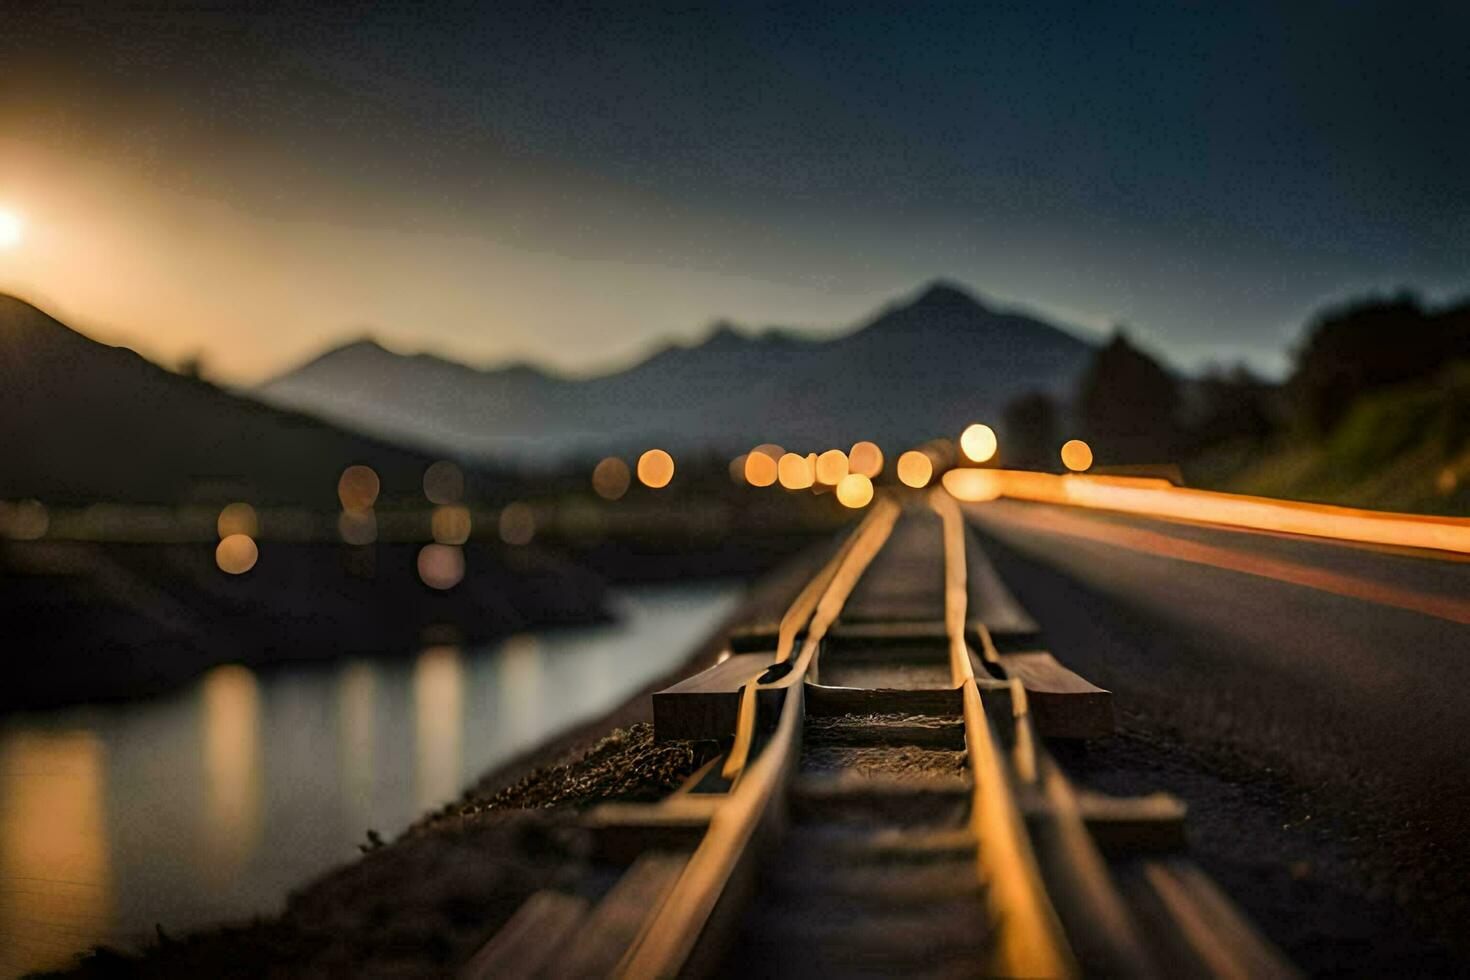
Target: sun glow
[(12, 229)]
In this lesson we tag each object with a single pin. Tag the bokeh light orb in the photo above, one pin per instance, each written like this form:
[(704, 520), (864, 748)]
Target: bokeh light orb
[(441, 566), (914, 469), (831, 467), (795, 472), (236, 554), (760, 468), (978, 442), (450, 524), (737, 469), (517, 524), (1076, 455), (25, 520), (855, 490), (610, 478), (865, 458), (357, 527), (443, 483), (237, 518), (358, 487), (655, 469), (1447, 480)]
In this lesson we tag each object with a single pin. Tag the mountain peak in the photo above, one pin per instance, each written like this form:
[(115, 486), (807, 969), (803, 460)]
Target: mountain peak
[(938, 355), (723, 334), (366, 344), (522, 370), (945, 294), (941, 304)]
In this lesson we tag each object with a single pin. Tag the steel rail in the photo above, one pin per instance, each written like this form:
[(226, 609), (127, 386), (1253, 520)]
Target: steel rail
[(1104, 929), (1030, 939), (792, 621), (669, 936)]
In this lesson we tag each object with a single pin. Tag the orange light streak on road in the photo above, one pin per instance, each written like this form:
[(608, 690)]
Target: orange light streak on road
[(1282, 570), (971, 485), (1159, 498)]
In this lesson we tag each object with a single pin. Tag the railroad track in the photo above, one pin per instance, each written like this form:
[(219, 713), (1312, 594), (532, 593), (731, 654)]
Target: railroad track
[(886, 803)]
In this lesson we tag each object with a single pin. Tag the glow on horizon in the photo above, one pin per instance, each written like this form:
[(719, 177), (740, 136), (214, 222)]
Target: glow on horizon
[(12, 228), (130, 260)]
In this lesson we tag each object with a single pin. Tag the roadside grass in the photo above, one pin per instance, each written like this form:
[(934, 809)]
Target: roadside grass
[(1403, 448)]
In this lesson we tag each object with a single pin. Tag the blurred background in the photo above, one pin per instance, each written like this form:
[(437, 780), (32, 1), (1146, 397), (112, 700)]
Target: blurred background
[(384, 390)]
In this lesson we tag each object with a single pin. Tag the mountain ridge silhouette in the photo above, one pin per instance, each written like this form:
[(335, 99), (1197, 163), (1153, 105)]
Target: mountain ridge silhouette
[(923, 364), (81, 420)]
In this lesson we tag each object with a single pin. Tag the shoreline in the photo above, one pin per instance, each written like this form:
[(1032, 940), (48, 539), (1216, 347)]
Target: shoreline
[(140, 619), (765, 598), (423, 901)]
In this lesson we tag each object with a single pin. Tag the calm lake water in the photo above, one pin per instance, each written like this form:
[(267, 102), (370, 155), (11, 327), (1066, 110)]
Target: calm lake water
[(212, 803)]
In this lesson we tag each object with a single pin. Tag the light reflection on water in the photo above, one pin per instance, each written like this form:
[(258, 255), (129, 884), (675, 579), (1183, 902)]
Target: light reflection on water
[(438, 699), (53, 854), (210, 804), (231, 737)]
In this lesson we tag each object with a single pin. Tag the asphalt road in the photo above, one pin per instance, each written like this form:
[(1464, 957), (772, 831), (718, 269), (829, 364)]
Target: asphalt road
[(1310, 699)]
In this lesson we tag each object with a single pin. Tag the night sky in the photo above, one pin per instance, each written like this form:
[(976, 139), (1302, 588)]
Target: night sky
[(575, 184)]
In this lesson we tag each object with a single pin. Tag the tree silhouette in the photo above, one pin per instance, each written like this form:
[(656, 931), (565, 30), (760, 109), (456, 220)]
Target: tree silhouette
[(1031, 431), (193, 365), (1230, 405), (1128, 403), (1368, 344)]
